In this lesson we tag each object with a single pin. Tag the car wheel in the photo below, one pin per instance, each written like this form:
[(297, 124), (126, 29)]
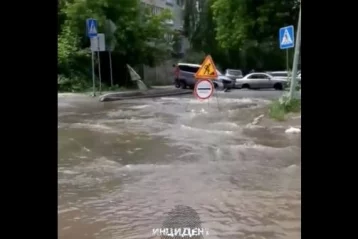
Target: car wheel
[(177, 84), (182, 85), (278, 86), (245, 86)]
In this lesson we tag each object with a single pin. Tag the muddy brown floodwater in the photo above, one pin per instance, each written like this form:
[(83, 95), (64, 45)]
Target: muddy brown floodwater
[(123, 165)]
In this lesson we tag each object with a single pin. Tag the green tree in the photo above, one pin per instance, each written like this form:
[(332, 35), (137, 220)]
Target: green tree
[(200, 29), (251, 27), (139, 34)]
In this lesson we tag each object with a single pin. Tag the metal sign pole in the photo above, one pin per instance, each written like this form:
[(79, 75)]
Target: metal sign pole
[(296, 57), (91, 29), (99, 66), (110, 67), (287, 65), (93, 76)]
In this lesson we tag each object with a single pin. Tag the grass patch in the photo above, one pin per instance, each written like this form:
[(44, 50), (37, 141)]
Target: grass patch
[(280, 108)]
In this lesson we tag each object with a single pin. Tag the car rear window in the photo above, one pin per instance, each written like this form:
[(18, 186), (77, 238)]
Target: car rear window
[(234, 72), (279, 74), (192, 69)]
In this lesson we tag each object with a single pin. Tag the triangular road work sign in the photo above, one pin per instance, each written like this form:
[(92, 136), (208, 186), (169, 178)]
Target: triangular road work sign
[(286, 39), (207, 69)]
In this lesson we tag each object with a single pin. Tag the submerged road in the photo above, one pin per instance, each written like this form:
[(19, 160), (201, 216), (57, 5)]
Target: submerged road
[(123, 165)]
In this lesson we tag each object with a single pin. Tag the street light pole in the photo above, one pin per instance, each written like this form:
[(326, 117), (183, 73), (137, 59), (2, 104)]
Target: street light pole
[(296, 56)]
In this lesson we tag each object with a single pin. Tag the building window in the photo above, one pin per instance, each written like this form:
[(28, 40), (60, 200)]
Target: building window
[(169, 2), (155, 10), (168, 37)]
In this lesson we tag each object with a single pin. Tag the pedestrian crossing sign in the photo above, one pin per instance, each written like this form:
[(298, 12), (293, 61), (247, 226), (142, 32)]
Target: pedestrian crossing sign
[(207, 69), (286, 37), (91, 25)]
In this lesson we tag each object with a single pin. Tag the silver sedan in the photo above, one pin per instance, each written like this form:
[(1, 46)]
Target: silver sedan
[(260, 81)]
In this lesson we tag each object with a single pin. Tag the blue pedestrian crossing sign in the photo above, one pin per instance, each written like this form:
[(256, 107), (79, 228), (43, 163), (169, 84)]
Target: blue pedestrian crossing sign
[(91, 27), (286, 37)]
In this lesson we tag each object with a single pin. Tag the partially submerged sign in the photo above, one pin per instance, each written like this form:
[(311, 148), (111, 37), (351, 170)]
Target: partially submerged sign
[(207, 70), (203, 89), (135, 77)]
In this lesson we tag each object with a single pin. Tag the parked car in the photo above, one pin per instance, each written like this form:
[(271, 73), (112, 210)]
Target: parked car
[(279, 74), (260, 81), (185, 77), (233, 74), (285, 74)]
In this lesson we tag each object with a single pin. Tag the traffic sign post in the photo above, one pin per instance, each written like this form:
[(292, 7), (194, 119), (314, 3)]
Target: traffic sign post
[(207, 72), (91, 29), (286, 37), (207, 69), (98, 44), (296, 56), (287, 40), (110, 29), (203, 89)]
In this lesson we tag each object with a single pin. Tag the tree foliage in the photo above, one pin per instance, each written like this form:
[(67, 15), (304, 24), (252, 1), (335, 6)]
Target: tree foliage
[(240, 33), (237, 33), (139, 34)]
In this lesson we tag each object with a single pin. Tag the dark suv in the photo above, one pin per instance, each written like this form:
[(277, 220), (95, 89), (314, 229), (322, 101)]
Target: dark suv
[(185, 77)]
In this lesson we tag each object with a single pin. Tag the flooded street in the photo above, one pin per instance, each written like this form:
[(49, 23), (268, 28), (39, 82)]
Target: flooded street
[(123, 165)]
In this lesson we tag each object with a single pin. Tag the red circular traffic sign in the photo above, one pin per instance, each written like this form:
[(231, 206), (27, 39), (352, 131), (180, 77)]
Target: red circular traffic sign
[(204, 89)]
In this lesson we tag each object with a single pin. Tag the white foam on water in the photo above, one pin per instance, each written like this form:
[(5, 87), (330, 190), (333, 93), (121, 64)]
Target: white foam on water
[(216, 100), (259, 147), (66, 210), (291, 168), (122, 113), (131, 120), (144, 167), (219, 100), (169, 98), (292, 130), (253, 126), (138, 107), (101, 127), (209, 131), (226, 125), (107, 168), (69, 172)]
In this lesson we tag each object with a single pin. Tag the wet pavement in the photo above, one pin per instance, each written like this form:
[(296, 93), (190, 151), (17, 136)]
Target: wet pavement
[(123, 165)]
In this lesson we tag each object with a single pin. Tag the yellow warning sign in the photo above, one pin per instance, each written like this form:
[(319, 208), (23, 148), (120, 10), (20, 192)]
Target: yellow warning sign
[(207, 70)]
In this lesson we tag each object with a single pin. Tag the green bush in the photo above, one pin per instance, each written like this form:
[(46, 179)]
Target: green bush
[(279, 108), (72, 63), (75, 84)]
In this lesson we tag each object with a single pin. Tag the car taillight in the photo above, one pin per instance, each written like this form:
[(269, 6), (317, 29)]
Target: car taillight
[(176, 72)]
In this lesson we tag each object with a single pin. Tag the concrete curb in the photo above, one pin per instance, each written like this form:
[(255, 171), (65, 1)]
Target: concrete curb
[(143, 94)]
